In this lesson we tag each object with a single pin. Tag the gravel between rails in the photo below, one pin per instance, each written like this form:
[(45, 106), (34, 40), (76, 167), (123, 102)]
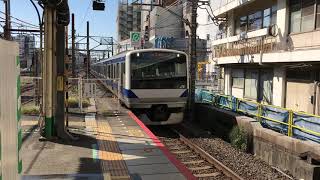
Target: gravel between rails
[(246, 165)]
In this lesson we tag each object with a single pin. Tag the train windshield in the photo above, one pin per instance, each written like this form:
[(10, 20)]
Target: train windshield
[(158, 70)]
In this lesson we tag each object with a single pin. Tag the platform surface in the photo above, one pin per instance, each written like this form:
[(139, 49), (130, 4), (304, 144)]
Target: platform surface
[(112, 144)]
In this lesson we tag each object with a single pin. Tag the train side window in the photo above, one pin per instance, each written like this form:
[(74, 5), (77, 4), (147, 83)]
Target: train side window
[(105, 71), (123, 69), (117, 70), (109, 71)]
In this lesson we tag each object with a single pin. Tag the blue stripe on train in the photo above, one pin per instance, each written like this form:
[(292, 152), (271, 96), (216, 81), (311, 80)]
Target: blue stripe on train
[(128, 93), (185, 93)]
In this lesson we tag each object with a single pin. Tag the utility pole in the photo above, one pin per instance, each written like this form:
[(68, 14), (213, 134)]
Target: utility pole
[(88, 50), (193, 58), (7, 32), (48, 74), (73, 47)]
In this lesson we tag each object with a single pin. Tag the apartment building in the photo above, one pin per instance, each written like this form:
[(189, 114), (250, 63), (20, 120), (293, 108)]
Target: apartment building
[(26, 49), (128, 19), (270, 51)]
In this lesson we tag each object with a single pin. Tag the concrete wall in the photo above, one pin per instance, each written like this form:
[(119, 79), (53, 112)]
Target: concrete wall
[(164, 23), (238, 92), (274, 148), (227, 81), (279, 86), (9, 110), (298, 41), (299, 96)]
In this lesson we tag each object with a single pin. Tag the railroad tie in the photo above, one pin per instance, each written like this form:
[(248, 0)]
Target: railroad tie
[(193, 162), (181, 152), (173, 144), (176, 147), (207, 175), (200, 168)]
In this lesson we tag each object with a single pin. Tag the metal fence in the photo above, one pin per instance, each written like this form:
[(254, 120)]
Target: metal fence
[(299, 125), (31, 95)]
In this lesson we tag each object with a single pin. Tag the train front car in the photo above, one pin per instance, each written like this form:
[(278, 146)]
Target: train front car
[(158, 85)]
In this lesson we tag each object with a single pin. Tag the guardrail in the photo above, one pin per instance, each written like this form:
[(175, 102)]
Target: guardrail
[(299, 125)]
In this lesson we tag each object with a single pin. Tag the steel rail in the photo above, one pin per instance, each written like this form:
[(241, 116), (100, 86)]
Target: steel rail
[(217, 164)]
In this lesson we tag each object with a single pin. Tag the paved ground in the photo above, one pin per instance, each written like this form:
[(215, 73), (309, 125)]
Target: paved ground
[(111, 145), (56, 157)]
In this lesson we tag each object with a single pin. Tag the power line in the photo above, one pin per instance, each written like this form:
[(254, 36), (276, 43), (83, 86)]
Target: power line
[(20, 20), (86, 14)]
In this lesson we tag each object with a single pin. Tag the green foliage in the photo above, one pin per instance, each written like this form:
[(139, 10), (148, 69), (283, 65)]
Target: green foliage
[(238, 138), (30, 110), (73, 102)]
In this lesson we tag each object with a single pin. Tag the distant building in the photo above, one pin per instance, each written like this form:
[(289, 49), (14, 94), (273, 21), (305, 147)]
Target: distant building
[(26, 49), (128, 19)]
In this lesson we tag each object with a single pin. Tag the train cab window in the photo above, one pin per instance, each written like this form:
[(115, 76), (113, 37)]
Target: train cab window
[(158, 70)]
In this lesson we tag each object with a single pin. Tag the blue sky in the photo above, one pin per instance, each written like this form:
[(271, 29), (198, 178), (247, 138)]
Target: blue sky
[(101, 23)]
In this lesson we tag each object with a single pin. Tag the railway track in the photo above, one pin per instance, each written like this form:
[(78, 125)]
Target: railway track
[(199, 162), (26, 88)]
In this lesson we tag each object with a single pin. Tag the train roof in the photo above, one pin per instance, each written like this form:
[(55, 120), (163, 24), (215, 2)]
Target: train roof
[(121, 56)]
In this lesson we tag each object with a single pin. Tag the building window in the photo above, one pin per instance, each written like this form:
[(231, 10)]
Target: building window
[(237, 78), (251, 84), (255, 21), (266, 86), (267, 17), (243, 24), (302, 14), (295, 17), (274, 10), (307, 15)]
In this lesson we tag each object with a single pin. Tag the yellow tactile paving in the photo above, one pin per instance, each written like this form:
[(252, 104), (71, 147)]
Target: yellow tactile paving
[(136, 133), (109, 153), (29, 123)]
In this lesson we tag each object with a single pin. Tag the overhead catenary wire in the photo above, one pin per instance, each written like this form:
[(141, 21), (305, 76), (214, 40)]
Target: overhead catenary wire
[(21, 20)]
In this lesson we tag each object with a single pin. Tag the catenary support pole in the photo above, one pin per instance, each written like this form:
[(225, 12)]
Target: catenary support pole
[(193, 58), (73, 32), (88, 50), (47, 75), (7, 31)]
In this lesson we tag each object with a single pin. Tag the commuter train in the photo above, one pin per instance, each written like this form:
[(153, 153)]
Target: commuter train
[(151, 82)]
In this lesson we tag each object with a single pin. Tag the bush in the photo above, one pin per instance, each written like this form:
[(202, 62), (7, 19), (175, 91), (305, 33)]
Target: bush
[(73, 102), (238, 138), (30, 110)]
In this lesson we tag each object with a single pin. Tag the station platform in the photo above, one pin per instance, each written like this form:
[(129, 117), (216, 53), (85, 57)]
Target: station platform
[(113, 144)]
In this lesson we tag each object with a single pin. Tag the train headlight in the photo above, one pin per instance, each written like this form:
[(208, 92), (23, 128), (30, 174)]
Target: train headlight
[(178, 55), (138, 54)]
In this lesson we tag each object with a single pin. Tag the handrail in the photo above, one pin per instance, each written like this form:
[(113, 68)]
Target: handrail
[(289, 120)]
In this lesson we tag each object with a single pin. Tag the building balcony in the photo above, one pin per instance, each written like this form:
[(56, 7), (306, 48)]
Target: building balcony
[(255, 42), (227, 5)]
